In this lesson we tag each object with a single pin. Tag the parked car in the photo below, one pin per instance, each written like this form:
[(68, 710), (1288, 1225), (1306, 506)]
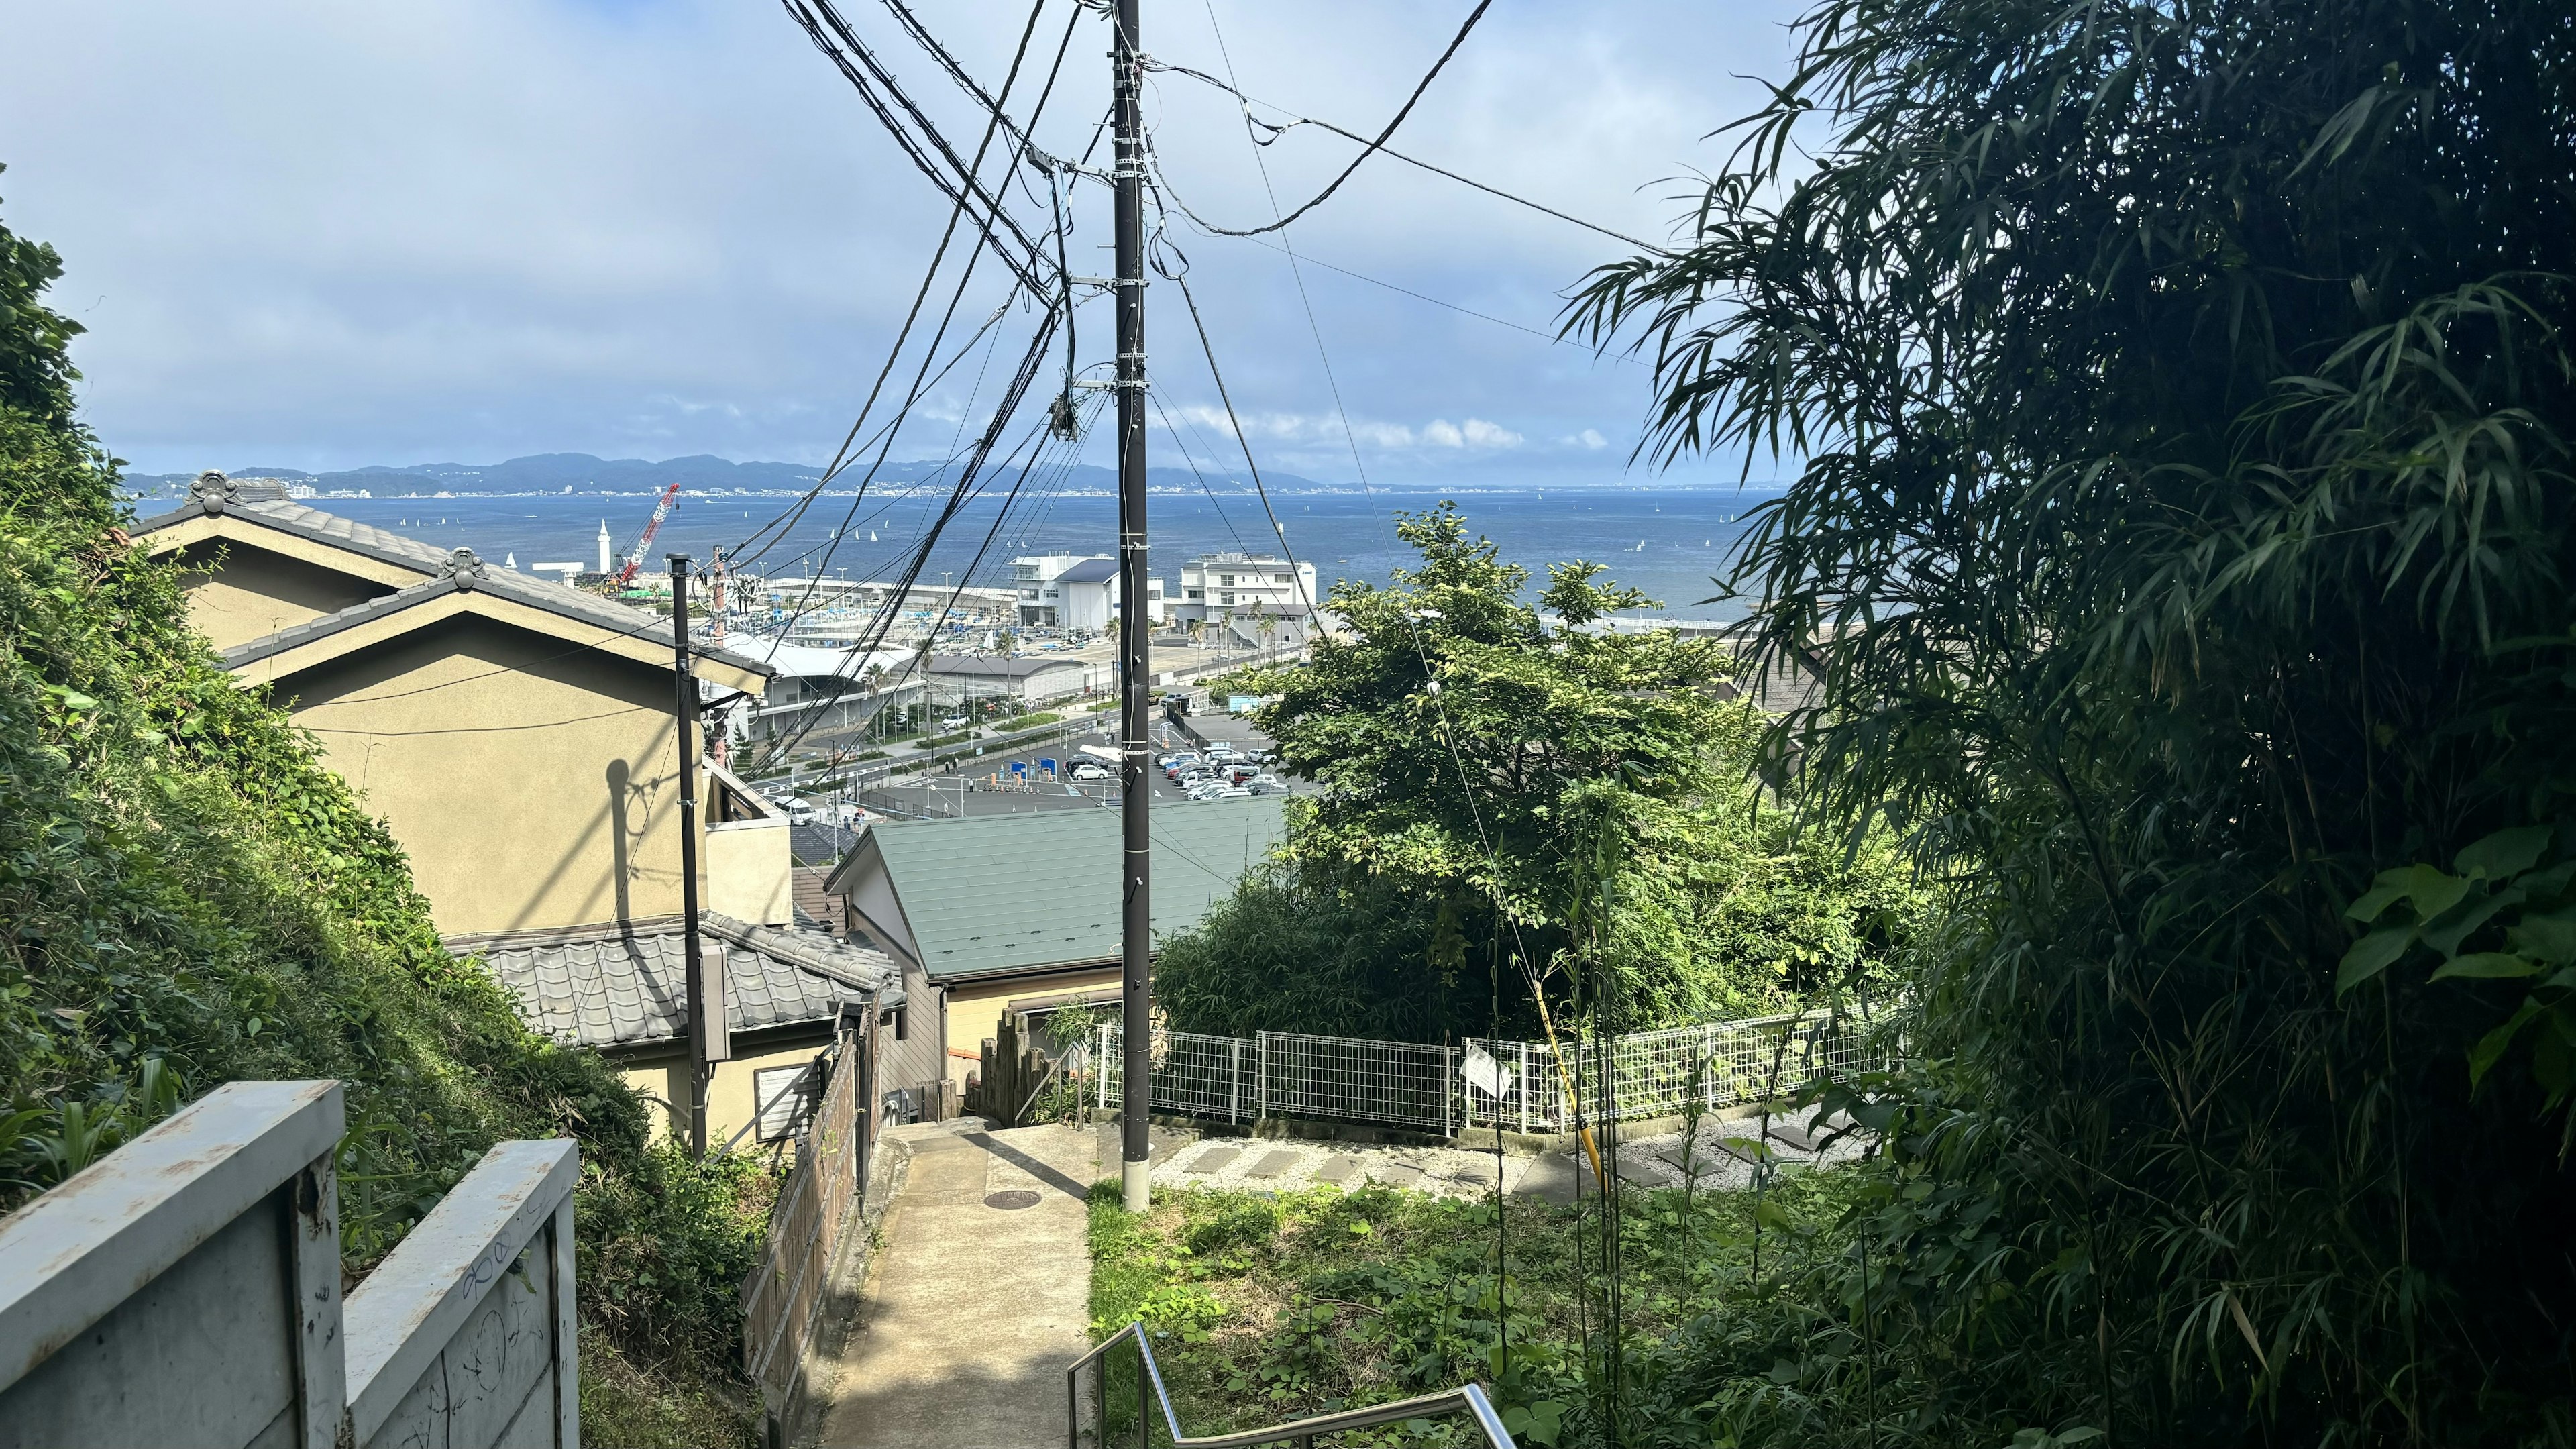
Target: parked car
[(1088, 770), (800, 812), (1265, 785)]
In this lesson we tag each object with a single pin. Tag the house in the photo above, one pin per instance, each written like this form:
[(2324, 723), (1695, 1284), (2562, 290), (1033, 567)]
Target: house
[(517, 737), (1075, 591), (995, 913), (1260, 597)]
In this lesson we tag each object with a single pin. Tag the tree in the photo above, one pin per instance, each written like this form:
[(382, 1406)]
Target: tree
[(2180, 407), (1490, 780)]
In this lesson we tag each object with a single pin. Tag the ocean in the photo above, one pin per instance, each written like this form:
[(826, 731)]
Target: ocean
[(1668, 541)]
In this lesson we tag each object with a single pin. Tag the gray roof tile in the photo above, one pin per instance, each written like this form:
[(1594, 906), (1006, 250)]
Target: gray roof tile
[(609, 986)]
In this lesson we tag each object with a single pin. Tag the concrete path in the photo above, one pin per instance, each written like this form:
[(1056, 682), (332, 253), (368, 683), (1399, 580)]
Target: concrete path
[(978, 1299)]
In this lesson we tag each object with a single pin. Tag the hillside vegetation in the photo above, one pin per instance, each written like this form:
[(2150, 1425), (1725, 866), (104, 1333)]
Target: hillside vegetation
[(189, 897), (2182, 408)]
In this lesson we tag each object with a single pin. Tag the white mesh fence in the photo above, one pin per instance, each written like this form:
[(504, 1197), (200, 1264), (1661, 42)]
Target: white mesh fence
[(1520, 1086)]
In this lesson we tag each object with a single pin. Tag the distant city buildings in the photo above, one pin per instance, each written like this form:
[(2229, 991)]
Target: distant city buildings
[(1075, 592), (1249, 594)]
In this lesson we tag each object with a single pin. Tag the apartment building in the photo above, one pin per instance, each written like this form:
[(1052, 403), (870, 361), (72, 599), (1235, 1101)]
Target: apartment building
[(1240, 591)]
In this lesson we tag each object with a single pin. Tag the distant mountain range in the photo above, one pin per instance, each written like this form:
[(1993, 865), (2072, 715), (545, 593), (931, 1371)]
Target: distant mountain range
[(581, 473)]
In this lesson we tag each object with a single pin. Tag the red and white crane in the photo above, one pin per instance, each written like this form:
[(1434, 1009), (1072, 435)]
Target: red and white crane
[(661, 511)]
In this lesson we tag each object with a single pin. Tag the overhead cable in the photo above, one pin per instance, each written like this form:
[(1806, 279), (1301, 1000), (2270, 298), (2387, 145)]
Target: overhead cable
[(843, 46), (1379, 147), (1369, 148), (957, 211)]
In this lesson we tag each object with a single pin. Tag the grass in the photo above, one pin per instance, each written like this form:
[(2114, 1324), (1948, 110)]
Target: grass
[(1028, 722), (623, 1406), (1263, 1309)]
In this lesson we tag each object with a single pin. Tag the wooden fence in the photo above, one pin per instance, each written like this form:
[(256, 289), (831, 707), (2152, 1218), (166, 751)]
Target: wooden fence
[(785, 1299)]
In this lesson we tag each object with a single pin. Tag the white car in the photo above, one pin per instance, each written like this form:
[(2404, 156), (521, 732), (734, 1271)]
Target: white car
[(953, 722), (1089, 771), (800, 813)]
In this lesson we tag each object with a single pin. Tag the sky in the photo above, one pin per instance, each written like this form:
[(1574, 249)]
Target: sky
[(310, 234)]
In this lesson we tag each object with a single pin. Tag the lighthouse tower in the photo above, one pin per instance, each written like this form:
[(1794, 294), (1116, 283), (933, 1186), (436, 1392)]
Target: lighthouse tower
[(604, 559)]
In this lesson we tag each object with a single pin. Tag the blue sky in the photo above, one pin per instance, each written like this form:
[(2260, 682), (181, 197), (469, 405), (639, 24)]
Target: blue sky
[(313, 234)]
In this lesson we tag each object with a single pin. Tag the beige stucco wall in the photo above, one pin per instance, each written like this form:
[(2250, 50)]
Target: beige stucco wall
[(748, 870), (729, 1099), (975, 1010), (532, 783), (251, 592)]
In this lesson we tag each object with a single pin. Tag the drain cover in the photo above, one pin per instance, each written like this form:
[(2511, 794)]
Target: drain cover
[(1018, 1197)]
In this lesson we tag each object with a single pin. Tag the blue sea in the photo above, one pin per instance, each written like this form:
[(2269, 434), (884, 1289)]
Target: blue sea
[(1668, 541)]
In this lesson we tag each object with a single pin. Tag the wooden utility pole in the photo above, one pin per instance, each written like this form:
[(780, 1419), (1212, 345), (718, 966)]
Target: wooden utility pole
[(684, 718), (1136, 768)]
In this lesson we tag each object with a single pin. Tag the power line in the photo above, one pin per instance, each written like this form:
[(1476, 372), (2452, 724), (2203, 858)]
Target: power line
[(1025, 263), (992, 123), (1370, 148), (1392, 154)]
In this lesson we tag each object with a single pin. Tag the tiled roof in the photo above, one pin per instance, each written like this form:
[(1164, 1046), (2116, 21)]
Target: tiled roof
[(608, 986), (999, 893), (460, 571), (215, 494)]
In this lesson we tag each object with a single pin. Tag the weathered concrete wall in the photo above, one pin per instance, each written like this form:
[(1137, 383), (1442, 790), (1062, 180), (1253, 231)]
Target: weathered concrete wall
[(531, 786), (185, 1290), (465, 1336)]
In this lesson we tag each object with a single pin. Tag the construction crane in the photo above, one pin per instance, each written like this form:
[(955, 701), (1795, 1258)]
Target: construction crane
[(661, 511)]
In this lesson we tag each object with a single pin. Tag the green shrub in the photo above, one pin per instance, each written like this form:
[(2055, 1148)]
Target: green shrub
[(189, 896)]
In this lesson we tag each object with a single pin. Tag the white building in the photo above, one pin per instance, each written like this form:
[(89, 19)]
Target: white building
[(1237, 590), (1075, 591)]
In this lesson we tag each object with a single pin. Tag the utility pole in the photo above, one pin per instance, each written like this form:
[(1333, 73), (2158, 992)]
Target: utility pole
[(684, 715), (1136, 777)]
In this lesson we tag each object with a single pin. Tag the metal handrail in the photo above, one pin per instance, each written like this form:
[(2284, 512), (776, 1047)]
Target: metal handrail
[(1466, 1398)]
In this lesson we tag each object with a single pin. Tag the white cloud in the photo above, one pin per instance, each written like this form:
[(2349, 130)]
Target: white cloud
[(487, 227)]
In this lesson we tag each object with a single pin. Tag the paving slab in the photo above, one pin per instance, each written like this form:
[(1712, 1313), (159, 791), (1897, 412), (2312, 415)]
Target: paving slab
[(1338, 1170), (1551, 1178), (1272, 1164), (1214, 1160)]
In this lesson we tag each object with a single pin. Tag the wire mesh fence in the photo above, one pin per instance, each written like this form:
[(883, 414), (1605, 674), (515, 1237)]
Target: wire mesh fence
[(1519, 1086)]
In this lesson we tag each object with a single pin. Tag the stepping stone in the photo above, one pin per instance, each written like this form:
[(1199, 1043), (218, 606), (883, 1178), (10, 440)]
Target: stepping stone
[(1338, 1170), (1747, 1150), (1552, 1179), (1214, 1159), (1797, 1135), (1699, 1166), (1479, 1173), (1403, 1174), (1274, 1163), (1640, 1168)]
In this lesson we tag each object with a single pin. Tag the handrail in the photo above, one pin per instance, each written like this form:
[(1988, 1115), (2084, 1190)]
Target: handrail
[(1468, 1398)]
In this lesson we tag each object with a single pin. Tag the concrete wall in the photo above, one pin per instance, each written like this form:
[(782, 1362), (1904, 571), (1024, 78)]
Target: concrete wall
[(748, 869), (186, 1290), (532, 785), (254, 592)]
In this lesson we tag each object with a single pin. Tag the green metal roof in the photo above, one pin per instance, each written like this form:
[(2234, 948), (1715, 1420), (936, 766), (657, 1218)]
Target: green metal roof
[(1006, 893)]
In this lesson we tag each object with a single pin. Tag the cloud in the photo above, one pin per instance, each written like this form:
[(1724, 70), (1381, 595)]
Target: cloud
[(490, 227)]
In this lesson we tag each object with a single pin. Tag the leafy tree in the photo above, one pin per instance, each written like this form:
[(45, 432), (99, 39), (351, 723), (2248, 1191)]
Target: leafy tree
[(1501, 778), (2181, 407)]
